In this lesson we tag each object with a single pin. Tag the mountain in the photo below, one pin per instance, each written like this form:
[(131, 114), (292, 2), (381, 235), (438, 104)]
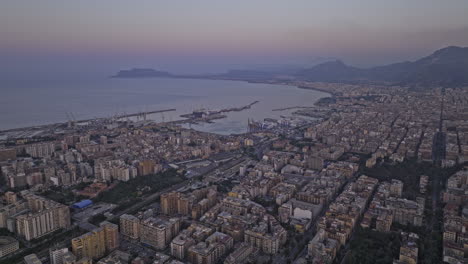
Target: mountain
[(445, 67), (248, 75), (141, 73), (332, 71)]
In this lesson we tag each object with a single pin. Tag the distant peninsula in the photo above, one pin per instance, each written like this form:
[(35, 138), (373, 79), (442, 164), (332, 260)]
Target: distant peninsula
[(141, 73), (447, 67)]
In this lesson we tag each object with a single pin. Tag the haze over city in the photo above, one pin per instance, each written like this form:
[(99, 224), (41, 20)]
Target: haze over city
[(213, 36), (234, 132)]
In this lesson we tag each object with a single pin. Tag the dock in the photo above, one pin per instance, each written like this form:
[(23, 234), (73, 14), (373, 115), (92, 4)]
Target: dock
[(52, 126)]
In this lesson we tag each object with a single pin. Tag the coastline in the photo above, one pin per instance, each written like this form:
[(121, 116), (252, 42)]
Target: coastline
[(332, 94), (56, 125), (214, 78)]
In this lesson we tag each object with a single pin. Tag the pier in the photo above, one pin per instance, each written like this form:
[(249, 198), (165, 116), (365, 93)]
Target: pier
[(238, 109), (143, 114), (31, 130)]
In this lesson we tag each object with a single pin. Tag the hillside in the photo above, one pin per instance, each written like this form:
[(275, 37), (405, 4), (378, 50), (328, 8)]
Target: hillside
[(445, 67), (141, 73)]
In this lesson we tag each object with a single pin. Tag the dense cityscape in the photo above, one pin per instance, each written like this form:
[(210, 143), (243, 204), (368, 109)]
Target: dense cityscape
[(234, 132), (378, 175)]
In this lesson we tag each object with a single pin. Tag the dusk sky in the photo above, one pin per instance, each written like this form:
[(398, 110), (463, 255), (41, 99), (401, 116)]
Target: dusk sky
[(106, 35)]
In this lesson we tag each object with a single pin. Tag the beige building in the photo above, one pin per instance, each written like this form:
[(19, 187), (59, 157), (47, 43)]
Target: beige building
[(192, 204), (112, 235), (268, 235), (97, 243), (56, 255), (181, 243), (210, 251), (323, 248), (10, 197), (9, 210), (40, 150), (130, 226), (158, 232), (170, 203), (90, 245), (407, 211), (45, 216), (396, 188), (241, 254), (187, 238)]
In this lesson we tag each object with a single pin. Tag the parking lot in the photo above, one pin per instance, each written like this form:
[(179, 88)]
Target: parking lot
[(92, 210)]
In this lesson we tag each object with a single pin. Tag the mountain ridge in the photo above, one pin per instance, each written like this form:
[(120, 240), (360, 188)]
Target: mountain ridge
[(444, 67), (141, 73)]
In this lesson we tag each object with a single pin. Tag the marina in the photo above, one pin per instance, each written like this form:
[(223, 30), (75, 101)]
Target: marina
[(227, 104)]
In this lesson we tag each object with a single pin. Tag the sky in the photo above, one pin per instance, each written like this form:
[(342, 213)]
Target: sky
[(71, 37)]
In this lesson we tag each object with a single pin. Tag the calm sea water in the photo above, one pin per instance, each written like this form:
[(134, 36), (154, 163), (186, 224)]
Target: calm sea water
[(28, 103)]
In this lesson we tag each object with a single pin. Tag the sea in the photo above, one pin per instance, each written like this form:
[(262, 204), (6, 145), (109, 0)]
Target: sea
[(25, 103)]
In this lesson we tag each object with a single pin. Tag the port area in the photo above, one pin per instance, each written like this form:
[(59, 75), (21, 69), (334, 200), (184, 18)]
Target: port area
[(72, 124), (207, 116), (313, 112), (307, 111), (201, 115)]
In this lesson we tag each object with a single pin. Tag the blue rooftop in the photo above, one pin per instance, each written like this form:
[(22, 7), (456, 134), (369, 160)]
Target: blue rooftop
[(82, 204)]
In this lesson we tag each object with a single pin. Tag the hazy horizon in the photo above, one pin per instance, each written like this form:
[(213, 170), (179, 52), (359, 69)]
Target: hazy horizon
[(52, 37)]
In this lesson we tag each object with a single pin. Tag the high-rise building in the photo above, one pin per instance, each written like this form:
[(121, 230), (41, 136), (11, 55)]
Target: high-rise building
[(187, 238), (315, 162), (193, 204), (56, 255), (7, 154), (181, 243), (396, 188), (45, 216), (321, 248), (111, 235), (241, 254), (10, 210), (103, 140), (91, 245), (210, 251), (40, 150), (97, 243), (158, 232), (268, 235), (146, 167), (10, 197), (169, 203), (130, 226)]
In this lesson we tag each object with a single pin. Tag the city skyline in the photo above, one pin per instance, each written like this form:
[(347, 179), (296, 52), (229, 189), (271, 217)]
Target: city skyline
[(233, 132)]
